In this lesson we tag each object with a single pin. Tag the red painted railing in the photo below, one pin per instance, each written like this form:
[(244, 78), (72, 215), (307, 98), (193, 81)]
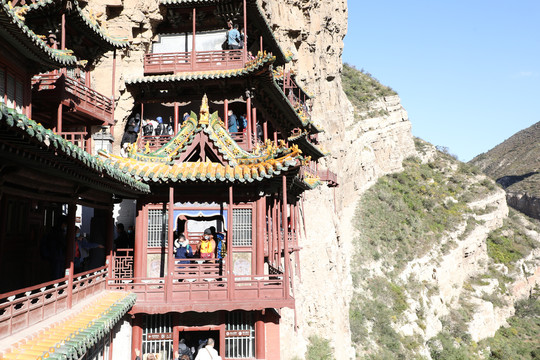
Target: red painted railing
[(78, 95), (183, 61), (154, 142), (23, 308)]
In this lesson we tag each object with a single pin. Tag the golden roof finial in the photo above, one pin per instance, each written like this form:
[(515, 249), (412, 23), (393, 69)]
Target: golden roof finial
[(204, 112)]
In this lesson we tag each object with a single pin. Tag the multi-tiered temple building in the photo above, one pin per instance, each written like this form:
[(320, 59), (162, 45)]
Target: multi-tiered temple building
[(246, 185)]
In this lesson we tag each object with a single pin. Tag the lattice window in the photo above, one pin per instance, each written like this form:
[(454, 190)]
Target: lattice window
[(123, 267), (242, 229), (239, 335), (157, 335), (157, 228)]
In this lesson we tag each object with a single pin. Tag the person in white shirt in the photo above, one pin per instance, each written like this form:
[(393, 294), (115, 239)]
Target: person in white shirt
[(208, 352)]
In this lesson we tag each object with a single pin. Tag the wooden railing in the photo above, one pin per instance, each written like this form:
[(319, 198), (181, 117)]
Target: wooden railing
[(154, 142), (324, 174), (23, 308), (184, 61), (77, 94), (212, 288)]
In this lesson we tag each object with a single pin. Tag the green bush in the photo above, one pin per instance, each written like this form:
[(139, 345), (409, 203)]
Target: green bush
[(319, 349)]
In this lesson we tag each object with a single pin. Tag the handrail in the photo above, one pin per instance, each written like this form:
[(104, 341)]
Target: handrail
[(22, 308), (182, 61), (80, 95)]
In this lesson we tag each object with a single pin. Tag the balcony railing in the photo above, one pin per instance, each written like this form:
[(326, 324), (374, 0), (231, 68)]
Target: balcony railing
[(154, 142), (23, 308), (76, 94), (165, 63)]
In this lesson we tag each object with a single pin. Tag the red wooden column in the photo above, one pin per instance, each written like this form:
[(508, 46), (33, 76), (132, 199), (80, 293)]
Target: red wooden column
[(88, 139), (70, 250), (176, 117), (254, 119), (275, 138), (278, 231), (285, 238), (63, 40), (265, 131), (249, 124), (59, 118), (193, 39), (275, 238), (113, 90), (245, 33), (139, 248), (261, 224), (230, 274), (261, 44), (226, 117), (170, 248), (109, 235), (136, 335), (260, 341)]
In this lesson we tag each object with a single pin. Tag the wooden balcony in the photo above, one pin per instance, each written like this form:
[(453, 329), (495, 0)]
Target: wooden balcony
[(74, 94), (23, 308), (76, 138), (170, 63), (200, 285), (156, 142)]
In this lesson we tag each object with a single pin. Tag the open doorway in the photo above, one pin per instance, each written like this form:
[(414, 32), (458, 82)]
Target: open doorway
[(195, 338)]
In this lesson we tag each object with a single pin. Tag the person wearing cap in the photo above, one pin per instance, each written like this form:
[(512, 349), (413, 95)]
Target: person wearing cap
[(208, 245)]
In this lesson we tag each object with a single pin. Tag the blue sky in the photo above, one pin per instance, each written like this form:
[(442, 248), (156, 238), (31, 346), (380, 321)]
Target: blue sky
[(467, 72)]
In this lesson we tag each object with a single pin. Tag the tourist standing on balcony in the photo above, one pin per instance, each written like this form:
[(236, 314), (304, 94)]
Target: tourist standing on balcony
[(233, 122), (208, 245), (182, 250), (233, 38)]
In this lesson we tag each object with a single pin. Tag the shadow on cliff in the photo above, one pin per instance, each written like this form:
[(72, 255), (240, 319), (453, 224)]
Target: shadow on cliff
[(510, 180)]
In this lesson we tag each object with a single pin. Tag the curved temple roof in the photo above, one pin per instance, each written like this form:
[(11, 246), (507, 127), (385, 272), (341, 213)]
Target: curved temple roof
[(72, 337), (15, 32), (164, 164), (54, 145), (87, 24)]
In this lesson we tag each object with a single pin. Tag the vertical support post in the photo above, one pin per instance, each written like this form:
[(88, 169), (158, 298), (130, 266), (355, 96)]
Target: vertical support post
[(170, 247), (259, 336), (230, 274), (113, 92), (279, 233), (136, 334), (88, 139), (244, 55), (261, 225), (285, 239), (226, 117), (248, 113), (59, 119), (138, 250), (63, 40), (193, 58), (176, 117), (109, 246), (261, 44), (70, 251), (265, 131), (274, 231), (254, 118), (275, 138)]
